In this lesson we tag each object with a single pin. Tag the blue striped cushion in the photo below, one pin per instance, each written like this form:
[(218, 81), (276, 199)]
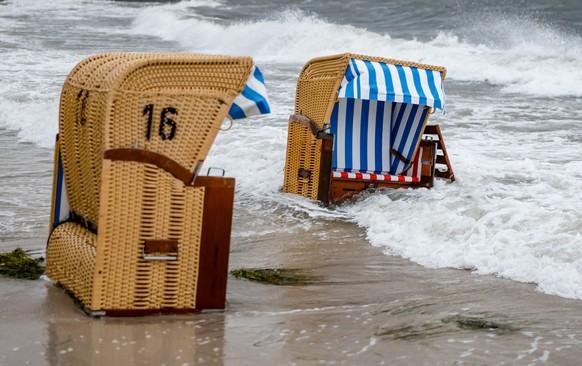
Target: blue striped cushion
[(365, 132)]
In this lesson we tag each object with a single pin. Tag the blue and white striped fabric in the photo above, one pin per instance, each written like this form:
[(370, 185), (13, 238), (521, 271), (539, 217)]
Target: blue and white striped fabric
[(60, 202), (381, 108), (253, 100), (367, 130), (392, 83)]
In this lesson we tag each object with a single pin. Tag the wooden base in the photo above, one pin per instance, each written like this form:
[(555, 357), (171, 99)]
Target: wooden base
[(341, 189), (212, 276)]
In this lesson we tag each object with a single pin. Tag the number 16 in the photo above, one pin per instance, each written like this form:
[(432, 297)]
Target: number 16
[(164, 121)]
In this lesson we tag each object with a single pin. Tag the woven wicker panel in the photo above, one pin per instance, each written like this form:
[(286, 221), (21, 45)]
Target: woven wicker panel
[(316, 94), (70, 259), (103, 102), (82, 110), (303, 151), (158, 206), (81, 149), (181, 95), (188, 124)]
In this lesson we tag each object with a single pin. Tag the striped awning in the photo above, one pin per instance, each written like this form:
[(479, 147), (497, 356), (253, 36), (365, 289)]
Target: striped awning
[(370, 80), (253, 100), (380, 114)]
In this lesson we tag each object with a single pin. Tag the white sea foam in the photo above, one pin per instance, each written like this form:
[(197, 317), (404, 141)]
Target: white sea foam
[(509, 214), (531, 58), (29, 94), (35, 64)]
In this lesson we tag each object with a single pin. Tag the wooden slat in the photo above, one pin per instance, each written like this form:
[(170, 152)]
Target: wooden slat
[(215, 242), (323, 193), (444, 158), (441, 159), (444, 174), (151, 157), (430, 129)]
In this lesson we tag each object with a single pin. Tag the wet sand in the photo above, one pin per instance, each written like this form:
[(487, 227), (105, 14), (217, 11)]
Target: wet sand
[(368, 309)]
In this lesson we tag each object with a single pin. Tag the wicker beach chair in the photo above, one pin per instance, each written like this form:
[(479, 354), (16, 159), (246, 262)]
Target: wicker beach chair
[(135, 228), (361, 122)]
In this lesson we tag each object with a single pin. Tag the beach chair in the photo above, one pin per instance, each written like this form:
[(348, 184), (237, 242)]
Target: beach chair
[(360, 122), (135, 227)]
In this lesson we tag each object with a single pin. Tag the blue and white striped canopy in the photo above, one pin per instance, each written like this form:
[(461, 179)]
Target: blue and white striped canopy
[(392, 83), (253, 100), (380, 114)]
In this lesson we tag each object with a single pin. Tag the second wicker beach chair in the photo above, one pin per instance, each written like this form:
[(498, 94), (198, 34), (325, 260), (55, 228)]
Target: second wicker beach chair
[(361, 122)]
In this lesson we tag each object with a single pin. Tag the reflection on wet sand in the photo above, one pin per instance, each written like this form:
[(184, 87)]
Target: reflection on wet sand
[(368, 308), (152, 340)]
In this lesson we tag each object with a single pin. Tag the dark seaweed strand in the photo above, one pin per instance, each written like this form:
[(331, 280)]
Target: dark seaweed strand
[(275, 276), (19, 264)]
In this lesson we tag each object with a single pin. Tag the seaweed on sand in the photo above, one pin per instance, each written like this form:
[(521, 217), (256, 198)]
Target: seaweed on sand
[(275, 276), (19, 264), (418, 329), (482, 323)]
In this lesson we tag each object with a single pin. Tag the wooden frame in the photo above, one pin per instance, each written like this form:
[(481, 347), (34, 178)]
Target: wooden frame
[(341, 189)]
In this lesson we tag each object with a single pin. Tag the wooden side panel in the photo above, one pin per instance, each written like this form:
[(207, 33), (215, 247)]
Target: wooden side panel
[(444, 168), (427, 163), (325, 168), (215, 242)]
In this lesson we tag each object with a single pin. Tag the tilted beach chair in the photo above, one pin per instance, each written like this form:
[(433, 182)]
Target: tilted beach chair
[(135, 228), (359, 123)]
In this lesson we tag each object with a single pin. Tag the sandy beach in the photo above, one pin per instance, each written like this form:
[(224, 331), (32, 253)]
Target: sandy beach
[(368, 309)]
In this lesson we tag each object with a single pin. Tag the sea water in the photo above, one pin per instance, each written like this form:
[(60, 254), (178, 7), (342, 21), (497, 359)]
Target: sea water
[(512, 126)]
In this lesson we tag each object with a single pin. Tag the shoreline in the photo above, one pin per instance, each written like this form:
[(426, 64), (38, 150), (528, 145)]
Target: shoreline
[(369, 309)]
